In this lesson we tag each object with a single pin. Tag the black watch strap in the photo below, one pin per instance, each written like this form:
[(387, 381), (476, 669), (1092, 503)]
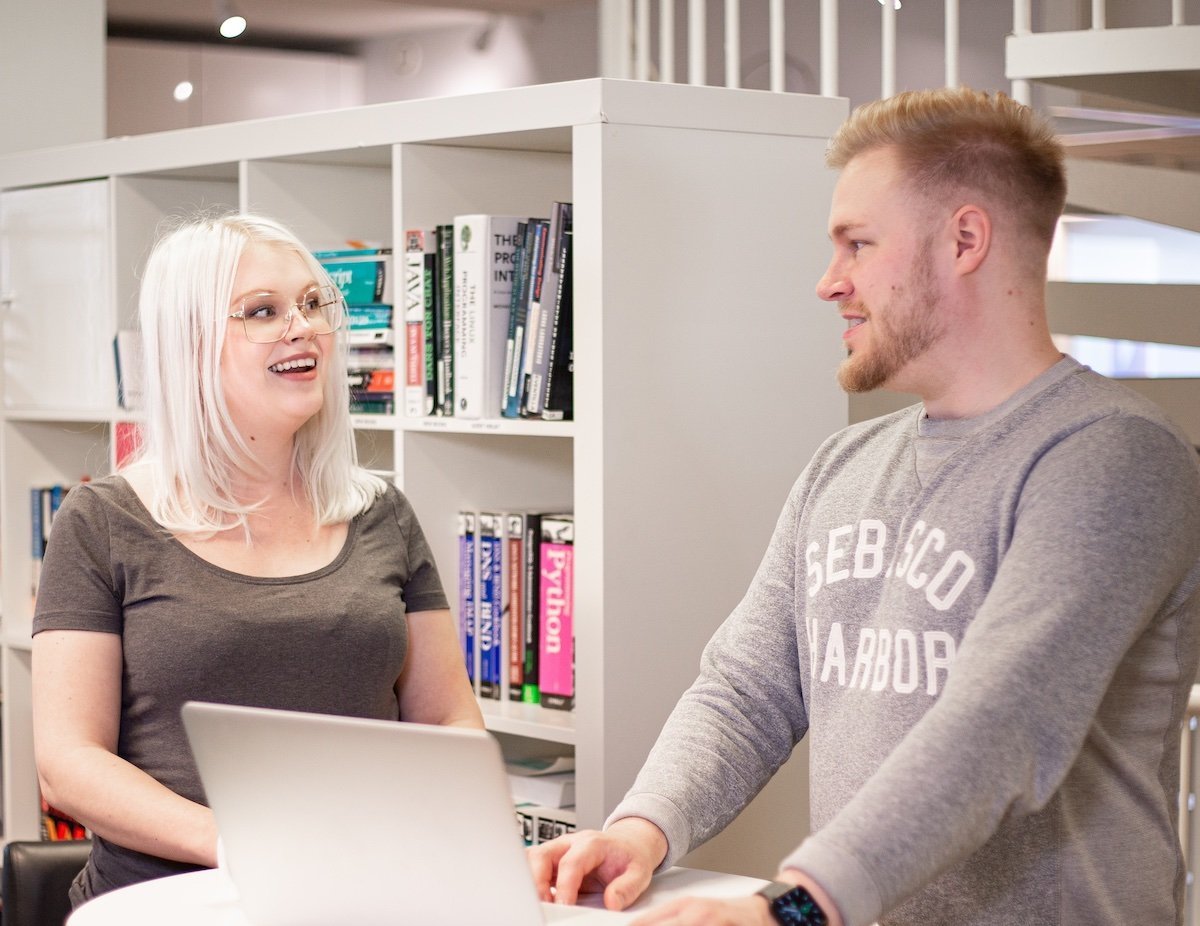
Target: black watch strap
[(791, 905)]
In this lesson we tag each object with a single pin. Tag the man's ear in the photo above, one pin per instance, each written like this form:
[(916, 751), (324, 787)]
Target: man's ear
[(972, 227)]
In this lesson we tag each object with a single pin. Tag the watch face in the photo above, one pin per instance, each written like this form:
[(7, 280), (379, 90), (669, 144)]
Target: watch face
[(795, 907)]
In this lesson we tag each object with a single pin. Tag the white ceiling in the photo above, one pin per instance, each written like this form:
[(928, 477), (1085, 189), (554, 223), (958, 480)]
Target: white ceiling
[(314, 21)]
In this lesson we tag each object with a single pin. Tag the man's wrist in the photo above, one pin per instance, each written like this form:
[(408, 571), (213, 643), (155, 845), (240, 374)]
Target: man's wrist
[(799, 878), (646, 834), (792, 905)]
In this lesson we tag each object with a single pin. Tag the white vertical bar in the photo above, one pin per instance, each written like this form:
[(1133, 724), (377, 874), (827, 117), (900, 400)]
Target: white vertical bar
[(1022, 25), (829, 48), (641, 47), (778, 82), (1176, 12), (1098, 20), (614, 39), (733, 44), (888, 35), (666, 41), (951, 43), (696, 42), (1022, 17)]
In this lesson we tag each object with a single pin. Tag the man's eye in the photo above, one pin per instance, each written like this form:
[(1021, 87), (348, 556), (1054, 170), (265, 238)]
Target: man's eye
[(857, 245)]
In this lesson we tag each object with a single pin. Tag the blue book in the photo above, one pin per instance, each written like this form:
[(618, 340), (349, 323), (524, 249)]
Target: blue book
[(490, 603), (466, 588)]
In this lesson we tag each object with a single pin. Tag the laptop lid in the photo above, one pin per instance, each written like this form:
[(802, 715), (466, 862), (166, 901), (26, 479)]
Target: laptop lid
[(329, 819)]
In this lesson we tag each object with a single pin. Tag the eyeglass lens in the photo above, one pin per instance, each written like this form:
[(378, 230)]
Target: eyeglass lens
[(268, 316)]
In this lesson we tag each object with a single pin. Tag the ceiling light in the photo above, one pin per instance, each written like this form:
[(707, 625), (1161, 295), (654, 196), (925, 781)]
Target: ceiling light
[(183, 91), (231, 25), (897, 3)]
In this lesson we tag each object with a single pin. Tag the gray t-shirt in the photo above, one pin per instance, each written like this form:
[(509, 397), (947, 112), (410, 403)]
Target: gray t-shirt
[(331, 641), (988, 629)]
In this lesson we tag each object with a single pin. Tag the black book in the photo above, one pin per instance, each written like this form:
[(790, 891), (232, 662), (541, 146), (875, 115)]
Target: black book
[(559, 403)]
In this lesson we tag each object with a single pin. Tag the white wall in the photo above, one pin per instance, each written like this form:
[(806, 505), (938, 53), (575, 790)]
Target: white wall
[(230, 84), (51, 73)]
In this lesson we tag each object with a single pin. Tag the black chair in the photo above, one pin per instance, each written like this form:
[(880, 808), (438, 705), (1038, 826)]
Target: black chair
[(36, 878)]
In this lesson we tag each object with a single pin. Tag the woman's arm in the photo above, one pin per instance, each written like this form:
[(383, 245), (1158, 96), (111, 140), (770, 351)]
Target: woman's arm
[(434, 688), (76, 718)]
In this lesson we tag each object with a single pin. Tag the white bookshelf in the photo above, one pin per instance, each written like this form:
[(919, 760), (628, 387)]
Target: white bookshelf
[(703, 361)]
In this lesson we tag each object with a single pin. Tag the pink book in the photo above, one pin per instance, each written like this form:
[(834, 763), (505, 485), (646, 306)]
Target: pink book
[(556, 670)]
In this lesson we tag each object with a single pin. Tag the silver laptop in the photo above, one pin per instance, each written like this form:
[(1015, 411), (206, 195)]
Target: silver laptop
[(341, 820)]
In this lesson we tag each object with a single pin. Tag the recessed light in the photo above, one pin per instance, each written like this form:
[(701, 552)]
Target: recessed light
[(183, 90), (233, 26)]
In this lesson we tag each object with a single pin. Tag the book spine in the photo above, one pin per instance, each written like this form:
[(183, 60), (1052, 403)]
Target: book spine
[(547, 291), (530, 604), (512, 363), (556, 672), (37, 541), (559, 402), (483, 259), (491, 589), (432, 322), (537, 270), (414, 324), (466, 590), (514, 578), (446, 333)]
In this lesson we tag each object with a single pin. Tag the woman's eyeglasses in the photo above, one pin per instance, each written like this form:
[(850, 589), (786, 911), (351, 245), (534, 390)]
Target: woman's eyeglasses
[(267, 317)]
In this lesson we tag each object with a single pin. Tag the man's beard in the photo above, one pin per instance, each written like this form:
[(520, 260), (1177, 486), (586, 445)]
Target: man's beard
[(908, 327)]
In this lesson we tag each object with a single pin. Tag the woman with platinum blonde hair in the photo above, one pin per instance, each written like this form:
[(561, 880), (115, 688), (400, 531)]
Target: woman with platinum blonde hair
[(243, 556)]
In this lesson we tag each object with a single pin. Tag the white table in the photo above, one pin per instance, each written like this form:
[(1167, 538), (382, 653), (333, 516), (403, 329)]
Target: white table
[(208, 898)]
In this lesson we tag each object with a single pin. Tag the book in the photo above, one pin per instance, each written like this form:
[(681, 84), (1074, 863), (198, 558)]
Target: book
[(370, 357), (515, 359), (516, 306), (466, 589), (431, 297), (127, 439), (364, 275), (417, 401), (559, 401), (531, 552), (556, 650), (554, 790), (44, 502), (514, 580), (127, 350), (444, 404), (483, 274), (531, 310), (538, 823), (369, 315), (489, 605), (362, 337), (543, 310), (381, 379)]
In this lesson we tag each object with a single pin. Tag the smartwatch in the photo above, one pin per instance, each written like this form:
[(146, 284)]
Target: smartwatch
[(792, 905)]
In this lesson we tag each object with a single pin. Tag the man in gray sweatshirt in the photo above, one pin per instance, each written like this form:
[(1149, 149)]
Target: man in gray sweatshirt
[(984, 610)]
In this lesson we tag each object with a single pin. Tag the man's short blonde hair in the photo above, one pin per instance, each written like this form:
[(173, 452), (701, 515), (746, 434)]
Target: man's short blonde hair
[(961, 141)]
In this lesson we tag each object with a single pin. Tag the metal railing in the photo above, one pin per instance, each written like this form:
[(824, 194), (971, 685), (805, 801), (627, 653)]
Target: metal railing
[(638, 40)]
